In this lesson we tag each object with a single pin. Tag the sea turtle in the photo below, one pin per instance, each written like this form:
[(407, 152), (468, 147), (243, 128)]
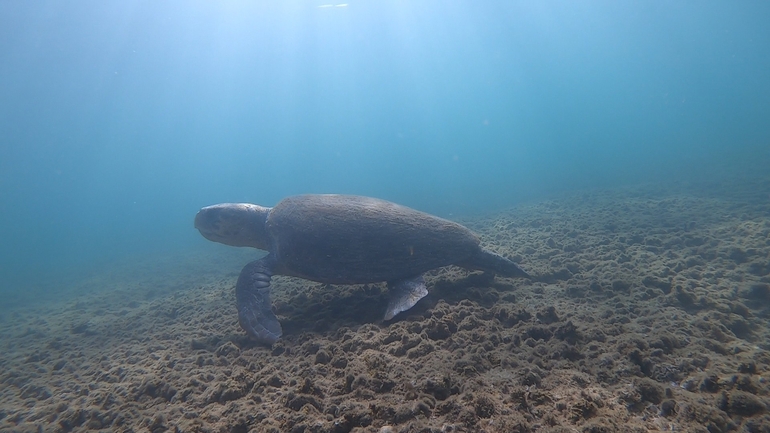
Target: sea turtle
[(340, 239)]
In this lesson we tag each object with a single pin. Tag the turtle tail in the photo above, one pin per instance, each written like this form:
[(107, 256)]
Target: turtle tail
[(484, 260)]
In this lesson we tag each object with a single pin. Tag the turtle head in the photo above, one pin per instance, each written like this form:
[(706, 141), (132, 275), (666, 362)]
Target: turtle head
[(235, 224)]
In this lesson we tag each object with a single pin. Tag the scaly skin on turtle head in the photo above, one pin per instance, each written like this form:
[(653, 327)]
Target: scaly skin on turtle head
[(234, 224)]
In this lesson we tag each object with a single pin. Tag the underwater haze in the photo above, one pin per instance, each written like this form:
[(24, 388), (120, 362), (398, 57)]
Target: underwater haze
[(119, 120)]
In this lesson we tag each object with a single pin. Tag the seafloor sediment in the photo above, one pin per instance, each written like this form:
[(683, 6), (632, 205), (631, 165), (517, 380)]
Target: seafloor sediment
[(649, 312)]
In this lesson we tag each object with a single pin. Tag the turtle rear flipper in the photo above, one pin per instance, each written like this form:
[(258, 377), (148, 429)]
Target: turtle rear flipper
[(404, 294), (252, 294), (485, 260)]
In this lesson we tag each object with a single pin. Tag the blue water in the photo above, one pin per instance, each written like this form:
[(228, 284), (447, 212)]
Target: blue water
[(119, 120)]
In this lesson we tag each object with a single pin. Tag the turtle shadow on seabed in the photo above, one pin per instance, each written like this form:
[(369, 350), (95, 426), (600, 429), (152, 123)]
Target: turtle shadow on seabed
[(336, 306)]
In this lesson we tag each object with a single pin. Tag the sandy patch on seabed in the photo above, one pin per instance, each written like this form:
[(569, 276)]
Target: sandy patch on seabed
[(650, 313)]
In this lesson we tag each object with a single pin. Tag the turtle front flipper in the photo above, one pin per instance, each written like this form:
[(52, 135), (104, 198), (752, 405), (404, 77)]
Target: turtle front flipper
[(404, 294), (252, 295)]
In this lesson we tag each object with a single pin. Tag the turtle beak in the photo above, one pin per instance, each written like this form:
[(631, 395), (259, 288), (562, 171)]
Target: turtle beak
[(207, 223), (200, 219)]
